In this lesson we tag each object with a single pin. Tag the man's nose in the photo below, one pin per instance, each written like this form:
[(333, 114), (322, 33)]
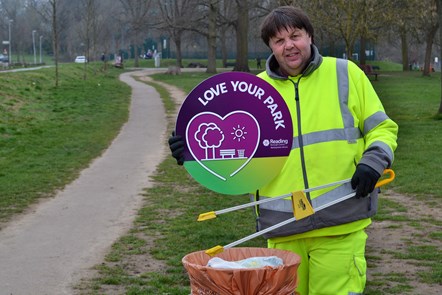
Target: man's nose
[(288, 44)]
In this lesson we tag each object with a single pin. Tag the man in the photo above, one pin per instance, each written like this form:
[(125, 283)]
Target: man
[(341, 131)]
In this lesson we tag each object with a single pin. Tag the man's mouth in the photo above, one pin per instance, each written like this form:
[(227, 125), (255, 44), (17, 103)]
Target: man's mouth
[(292, 55)]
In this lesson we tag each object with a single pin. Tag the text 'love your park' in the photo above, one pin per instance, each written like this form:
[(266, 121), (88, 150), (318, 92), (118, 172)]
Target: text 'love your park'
[(246, 88)]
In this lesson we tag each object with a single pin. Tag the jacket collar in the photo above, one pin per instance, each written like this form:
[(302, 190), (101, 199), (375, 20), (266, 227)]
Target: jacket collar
[(273, 70)]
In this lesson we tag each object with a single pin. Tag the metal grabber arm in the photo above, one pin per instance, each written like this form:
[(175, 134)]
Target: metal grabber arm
[(301, 209)]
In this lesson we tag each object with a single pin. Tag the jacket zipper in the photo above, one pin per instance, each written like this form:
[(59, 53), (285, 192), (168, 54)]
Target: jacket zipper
[(301, 147), (300, 139)]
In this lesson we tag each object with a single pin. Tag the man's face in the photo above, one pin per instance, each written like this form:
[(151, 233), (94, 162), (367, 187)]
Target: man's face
[(292, 50)]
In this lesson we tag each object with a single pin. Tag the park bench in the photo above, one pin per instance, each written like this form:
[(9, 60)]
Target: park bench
[(369, 71), (229, 64), (196, 65)]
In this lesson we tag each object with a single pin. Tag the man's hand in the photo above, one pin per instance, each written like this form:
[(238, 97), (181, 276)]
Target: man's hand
[(364, 180), (176, 145)]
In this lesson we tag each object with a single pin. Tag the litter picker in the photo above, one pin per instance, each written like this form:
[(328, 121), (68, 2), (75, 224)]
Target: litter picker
[(301, 209)]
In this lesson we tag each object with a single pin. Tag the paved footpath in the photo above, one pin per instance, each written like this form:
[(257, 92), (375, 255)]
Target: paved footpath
[(51, 248)]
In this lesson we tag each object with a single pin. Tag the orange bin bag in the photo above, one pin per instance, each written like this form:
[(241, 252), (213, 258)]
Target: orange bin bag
[(205, 280)]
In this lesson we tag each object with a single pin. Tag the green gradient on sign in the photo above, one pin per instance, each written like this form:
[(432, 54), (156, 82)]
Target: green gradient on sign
[(248, 179)]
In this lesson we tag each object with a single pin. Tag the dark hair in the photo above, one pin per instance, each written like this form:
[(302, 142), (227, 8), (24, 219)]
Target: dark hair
[(285, 17)]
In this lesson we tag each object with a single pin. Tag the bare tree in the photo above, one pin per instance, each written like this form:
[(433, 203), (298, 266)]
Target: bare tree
[(341, 17), (50, 13), (402, 22), (88, 29), (405, 18), (24, 21), (107, 24), (237, 15), (205, 24), (226, 21), (177, 18), (225, 25), (9, 11), (136, 12)]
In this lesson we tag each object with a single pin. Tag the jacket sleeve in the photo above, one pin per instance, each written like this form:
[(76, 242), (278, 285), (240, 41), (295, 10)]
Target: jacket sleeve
[(378, 130)]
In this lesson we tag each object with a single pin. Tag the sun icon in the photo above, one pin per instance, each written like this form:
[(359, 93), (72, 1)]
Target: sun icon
[(238, 133)]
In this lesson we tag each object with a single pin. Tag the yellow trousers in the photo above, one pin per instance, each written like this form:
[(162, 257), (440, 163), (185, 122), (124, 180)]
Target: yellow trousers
[(332, 265)]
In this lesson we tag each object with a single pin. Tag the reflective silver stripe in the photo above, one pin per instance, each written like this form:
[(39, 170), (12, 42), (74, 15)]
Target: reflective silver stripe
[(349, 132), (374, 120), (343, 90), (327, 135), (286, 205), (278, 205), (332, 195), (384, 147)]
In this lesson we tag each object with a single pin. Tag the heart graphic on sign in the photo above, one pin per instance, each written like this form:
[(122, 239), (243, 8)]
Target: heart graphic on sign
[(223, 145)]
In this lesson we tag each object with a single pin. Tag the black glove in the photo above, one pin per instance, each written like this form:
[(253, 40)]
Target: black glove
[(364, 180), (176, 145)]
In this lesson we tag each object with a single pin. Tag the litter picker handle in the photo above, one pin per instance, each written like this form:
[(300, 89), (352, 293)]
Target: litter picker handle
[(384, 181)]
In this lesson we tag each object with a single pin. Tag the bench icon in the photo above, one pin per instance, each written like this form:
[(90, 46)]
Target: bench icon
[(231, 153), (228, 152)]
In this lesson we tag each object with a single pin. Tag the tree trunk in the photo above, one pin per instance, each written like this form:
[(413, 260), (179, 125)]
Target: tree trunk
[(179, 56), (362, 59), (242, 50), (348, 49), (404, 47), (332, 46), (211, 38), (55, 38), (429, 40), (223, 47), (439, 13), (136, 54)]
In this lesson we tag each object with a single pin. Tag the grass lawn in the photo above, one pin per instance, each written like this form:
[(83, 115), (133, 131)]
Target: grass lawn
[(176, 200), (412, 101), (48, 135)]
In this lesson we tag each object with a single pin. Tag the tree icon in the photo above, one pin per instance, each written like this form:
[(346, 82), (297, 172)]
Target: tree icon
[(209, 136)]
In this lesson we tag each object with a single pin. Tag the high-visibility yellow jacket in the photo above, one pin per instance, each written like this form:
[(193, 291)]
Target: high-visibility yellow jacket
[(338, 122)]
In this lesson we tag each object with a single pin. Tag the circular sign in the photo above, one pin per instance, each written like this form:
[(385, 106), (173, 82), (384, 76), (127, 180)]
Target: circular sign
[(238, 132)]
